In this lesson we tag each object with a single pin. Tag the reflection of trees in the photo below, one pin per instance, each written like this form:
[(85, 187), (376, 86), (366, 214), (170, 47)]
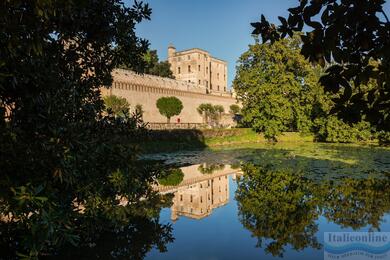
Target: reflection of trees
[(281, 206), (124, 228), (137, 232), (277, 205), (356, 203), (210, 168)]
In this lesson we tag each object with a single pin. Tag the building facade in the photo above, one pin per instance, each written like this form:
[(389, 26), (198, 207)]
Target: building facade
[(146, 89), (199, 67)]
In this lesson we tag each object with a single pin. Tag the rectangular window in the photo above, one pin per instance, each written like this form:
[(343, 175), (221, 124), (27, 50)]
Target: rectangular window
[(211, 86), (199, 82), (178, 70), (217, 75), (198, 67), (218, 87), (191, 198), (207, 70), (189, 68), (207, 84), (181, 197)]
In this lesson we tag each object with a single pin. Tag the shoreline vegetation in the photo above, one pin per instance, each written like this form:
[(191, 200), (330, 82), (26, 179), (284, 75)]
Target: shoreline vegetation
[(175, 140)]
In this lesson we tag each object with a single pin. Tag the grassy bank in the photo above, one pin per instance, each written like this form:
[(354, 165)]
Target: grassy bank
[(173, 140)]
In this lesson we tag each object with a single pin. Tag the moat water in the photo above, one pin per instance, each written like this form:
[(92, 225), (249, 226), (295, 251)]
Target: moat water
[(273, 201)]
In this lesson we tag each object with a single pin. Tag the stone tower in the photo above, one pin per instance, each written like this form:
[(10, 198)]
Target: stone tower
[(199, 67)]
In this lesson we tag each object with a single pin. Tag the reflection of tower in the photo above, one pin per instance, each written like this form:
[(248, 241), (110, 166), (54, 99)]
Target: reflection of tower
[(199, 199)]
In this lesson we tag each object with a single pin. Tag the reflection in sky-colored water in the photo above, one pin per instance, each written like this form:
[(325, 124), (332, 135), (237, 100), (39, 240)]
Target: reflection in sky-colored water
[(273, 201)]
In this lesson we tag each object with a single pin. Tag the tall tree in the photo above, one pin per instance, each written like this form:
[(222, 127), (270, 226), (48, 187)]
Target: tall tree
[(169, 107), (57, 185), (156, 67), (354, 36), (277, 87)]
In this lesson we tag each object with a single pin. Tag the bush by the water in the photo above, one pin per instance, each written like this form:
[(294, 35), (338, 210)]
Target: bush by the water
[(172, 177), (332, 129)]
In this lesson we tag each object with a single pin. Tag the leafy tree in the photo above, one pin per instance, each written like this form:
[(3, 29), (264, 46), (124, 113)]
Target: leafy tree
[(57, 186), (219, 109), (354, 36), (234, 109), (118, 105), (169, 107), (156, 67), (277, 87), (207, 111)]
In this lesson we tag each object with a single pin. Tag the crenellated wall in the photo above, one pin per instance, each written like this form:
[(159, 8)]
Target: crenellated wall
[(147, 89)]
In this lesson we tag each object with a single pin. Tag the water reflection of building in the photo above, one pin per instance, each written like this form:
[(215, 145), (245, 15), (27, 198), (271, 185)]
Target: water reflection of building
[(199, 199), (199, 193)]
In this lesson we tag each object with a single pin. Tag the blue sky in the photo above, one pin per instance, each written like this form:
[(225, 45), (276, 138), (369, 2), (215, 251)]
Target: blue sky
[(221, 27)]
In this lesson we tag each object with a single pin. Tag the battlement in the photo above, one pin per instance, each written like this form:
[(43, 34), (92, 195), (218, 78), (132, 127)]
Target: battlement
[(131, 77)]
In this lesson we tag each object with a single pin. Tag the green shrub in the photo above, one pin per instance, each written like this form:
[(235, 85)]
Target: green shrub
[(332, 129)]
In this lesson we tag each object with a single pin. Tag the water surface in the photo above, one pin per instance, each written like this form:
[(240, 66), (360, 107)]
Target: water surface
[(272, 201)]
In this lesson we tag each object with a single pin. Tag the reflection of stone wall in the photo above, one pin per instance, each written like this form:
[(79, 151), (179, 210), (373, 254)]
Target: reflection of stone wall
[(146, 89), (199, 199)]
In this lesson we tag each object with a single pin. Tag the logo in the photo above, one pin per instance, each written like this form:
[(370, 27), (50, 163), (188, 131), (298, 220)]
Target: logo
[(357, 245)]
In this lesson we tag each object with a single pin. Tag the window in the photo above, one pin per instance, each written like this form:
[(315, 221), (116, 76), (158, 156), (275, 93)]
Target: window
[(199, 82), (188, 57), (198, 67), (201, 199), (181, 197), (218, 87), (207, 70), (224, 76), (189, 68), (217, 75), (189, 80), (201, 186), (191, 198), (211, 86), (178, 70), (224, 89), (219, 188), (207, 84)]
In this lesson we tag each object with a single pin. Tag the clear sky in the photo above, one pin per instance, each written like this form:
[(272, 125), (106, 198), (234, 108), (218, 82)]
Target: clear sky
[(221, 27)]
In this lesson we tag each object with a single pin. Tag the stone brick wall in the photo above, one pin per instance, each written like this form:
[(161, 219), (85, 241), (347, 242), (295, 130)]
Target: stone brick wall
[(147, 89)]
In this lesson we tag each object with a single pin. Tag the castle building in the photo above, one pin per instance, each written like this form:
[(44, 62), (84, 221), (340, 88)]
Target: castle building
[(199, 67)]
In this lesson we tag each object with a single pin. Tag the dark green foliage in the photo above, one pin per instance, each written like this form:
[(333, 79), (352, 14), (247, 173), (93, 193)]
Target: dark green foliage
[(171, 177), (169, 107), (355, 37), (117, 105), (65, 165), (156, 67)]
